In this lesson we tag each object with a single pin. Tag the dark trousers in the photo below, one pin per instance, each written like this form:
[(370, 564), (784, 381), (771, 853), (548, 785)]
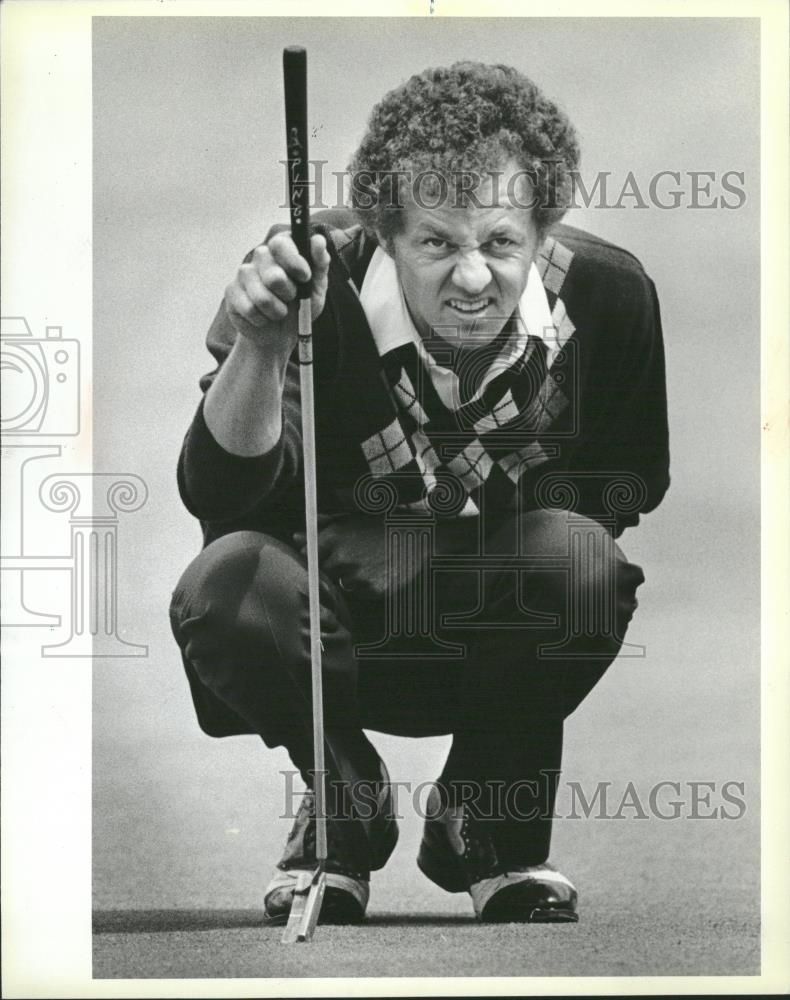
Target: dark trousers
[(496, 644)]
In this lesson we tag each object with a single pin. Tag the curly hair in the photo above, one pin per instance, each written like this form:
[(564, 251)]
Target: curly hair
[(460, 120)]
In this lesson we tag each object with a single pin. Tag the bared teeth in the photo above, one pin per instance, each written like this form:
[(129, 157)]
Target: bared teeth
[(469, 306)]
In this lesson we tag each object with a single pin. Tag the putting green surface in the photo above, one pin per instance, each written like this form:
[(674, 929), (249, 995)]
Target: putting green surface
[(656, 897), (231, 943), (187, 830)]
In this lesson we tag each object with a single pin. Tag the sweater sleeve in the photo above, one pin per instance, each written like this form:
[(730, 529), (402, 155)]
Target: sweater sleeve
[(218, 486), (631, 437), (642, 443)]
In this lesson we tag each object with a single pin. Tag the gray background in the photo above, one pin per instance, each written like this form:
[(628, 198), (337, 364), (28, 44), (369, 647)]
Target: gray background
[(187, 138)]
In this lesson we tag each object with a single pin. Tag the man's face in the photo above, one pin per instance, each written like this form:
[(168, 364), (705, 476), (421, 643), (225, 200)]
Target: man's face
[(463, 269)]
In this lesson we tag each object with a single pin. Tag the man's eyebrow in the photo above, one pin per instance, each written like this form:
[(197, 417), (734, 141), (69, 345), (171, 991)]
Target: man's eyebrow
[(433, 229), (502, 227)]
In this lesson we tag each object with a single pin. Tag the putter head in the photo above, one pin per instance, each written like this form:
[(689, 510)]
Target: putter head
[(306, 907)]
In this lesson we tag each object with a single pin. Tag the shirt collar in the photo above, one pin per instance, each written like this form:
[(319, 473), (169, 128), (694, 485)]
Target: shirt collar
[(381, 297)]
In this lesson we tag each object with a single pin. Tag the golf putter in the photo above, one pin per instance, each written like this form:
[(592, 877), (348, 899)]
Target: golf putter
[(310, 887)]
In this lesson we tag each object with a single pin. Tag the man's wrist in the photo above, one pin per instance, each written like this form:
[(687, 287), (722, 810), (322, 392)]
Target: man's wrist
[(267, 357), (243, 406)]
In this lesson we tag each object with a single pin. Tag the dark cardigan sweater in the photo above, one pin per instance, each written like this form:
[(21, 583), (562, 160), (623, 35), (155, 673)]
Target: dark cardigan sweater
[(608, 450)]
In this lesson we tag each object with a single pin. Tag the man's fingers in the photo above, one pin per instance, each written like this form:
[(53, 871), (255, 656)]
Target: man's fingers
[(323, 521), (249, 314), (327, 550), (266, 287), (262, 311), (278, 283), (320, 254), (326, 547), (269, 302), (283, 252)]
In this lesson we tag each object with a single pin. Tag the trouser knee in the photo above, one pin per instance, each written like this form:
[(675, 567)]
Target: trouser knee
[(573, 568), (233, 597), (240, 614)]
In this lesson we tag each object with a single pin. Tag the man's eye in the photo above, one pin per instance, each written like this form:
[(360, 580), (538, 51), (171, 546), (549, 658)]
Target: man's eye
[(435, 242), (500, 242)]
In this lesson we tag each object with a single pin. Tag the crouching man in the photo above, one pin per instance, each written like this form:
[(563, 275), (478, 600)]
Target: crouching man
[(491, 415)]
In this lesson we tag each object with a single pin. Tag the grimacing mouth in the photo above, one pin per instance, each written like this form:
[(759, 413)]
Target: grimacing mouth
[(470, 306)]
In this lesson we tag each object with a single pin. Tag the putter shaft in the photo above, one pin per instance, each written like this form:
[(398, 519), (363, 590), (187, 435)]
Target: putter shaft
[(309, 891), (311, 532)]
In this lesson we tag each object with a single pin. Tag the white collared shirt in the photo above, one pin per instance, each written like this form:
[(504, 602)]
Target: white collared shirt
[(381, 297)]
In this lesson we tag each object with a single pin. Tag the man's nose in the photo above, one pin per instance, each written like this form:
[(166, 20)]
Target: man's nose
[(471, 273)]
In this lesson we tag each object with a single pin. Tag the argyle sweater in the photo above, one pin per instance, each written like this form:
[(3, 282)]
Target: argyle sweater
[(584, 429)]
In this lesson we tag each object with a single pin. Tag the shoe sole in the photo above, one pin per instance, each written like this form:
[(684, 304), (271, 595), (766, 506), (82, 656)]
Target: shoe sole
[(536, 916), (338, 907), (508, 906)]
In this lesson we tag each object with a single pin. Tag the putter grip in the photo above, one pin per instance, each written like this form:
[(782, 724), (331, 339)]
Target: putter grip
[(295, 80)]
